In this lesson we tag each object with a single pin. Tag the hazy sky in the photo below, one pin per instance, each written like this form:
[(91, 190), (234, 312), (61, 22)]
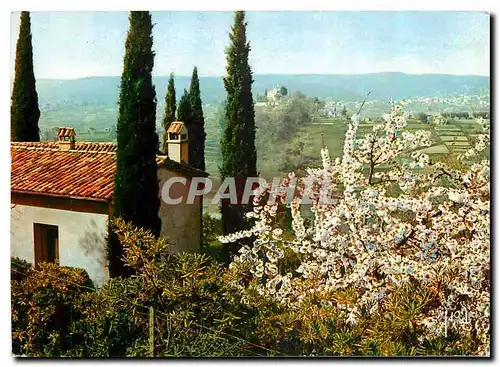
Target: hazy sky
[(80, 44)]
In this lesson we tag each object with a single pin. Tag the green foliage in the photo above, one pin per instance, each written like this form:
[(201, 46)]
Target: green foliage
[(215, 250), (322, 328), (484, 115), (44, 308), (184, 113), (196, 130), (279, 137), (198, 311), (136, 183), (113, 322), (458, 115), (292, 158), (56, 312), (422, 117), (24, 111), (239, 155), (195, 309), (18, 268), (212, 228), (238, 141), (169, 115)]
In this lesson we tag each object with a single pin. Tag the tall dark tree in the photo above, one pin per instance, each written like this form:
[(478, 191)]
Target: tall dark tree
[(136, 184), (184, 110), (197, 133), (239, 156), (169, 110), (24, 111)]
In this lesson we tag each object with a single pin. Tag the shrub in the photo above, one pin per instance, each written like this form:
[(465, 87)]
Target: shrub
[(43, 309), (196, 311), (114, 320), (18, 269)]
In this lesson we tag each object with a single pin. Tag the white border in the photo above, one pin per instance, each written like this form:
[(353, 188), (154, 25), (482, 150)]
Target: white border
[(200, 5), (33, 5)]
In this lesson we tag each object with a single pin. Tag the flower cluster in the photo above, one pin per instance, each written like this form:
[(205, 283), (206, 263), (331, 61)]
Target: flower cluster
[(393, 217)]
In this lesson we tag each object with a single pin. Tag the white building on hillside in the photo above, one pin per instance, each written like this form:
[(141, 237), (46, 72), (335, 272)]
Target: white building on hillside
[(62, 197)]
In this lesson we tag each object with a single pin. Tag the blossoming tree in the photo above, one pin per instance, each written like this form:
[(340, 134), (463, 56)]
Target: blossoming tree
[(383, 215)]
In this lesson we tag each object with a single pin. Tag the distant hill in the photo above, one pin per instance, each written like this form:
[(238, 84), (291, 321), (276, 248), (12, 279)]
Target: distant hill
[(104, 90)]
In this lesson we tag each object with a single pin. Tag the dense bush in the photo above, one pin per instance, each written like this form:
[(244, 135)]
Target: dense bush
[(56, 312), (212, 229), (44, 302), (318, 327), (18, 269), (194, 303)]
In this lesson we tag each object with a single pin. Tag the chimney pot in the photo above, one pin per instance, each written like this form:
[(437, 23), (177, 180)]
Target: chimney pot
[(177, 142), (66, 138)]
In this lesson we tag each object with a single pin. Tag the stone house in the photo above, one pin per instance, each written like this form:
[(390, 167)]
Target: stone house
[(62, 197)]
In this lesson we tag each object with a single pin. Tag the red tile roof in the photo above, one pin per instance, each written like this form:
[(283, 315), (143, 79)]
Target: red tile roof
[(86, 172), (79, 146)]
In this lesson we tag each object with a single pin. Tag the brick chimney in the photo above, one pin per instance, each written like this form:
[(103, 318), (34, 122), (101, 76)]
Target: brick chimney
[(66, 138), (177, 142)]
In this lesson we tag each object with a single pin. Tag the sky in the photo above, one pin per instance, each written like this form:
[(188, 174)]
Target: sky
[(70, 45)]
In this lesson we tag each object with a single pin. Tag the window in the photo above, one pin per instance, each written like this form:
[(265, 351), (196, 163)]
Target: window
[(46, 243), (183, 136)]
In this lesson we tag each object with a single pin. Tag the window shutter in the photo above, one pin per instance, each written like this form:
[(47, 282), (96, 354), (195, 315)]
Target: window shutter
[(38, 235)]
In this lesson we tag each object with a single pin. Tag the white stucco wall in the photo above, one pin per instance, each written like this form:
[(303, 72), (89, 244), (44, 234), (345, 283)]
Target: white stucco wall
[(181, 223), (82, 238)]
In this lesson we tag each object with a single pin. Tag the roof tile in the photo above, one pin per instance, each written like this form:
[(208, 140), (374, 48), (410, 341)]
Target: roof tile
[(175, 127)]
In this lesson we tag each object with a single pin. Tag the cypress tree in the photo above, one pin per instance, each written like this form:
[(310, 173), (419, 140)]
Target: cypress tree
[(184, 114), (197, 132), (184, 110), (239, 156), (169, 110), (24, 111), (136, 183)]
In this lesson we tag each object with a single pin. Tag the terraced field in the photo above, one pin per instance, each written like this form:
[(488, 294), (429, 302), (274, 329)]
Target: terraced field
[(455, 137)]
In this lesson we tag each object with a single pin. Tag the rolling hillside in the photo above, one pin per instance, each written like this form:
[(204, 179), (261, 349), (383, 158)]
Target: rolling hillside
[(104, 91)]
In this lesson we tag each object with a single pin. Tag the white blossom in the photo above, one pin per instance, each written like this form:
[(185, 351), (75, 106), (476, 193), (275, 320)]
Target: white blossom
[(437, 225)]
